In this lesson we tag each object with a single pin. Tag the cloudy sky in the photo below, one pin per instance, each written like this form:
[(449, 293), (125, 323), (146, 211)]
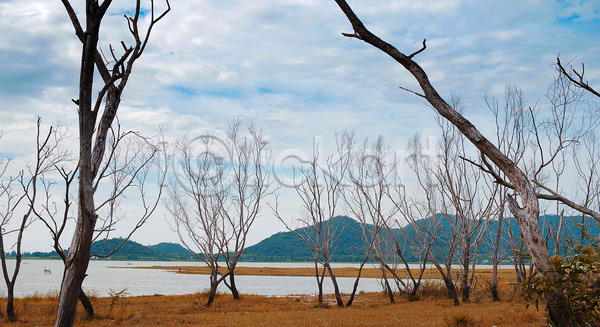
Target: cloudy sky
[(284, 65)]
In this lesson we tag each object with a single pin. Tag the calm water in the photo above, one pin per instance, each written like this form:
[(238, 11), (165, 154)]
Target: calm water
[(109, 276), (105, 277)]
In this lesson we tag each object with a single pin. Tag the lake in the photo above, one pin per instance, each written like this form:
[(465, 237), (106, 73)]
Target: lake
[(106, 276)]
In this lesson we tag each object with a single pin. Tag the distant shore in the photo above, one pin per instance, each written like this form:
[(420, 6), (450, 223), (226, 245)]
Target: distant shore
[(504, 275)]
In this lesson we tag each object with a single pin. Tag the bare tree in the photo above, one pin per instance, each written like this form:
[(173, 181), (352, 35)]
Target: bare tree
[(527, 212), (432, 224), (586, 160), (466, 198), (369, 174), (511, 121), (368, 199), (197, 196), (47, 155), (216, 197), (115, 73), (131, 161), (320, 190), (249, 158)]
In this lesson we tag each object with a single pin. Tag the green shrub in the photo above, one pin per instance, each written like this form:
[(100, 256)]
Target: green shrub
[(576, 274)]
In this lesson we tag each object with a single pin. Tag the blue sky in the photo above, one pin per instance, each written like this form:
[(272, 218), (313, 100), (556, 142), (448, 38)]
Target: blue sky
[(285, 65)]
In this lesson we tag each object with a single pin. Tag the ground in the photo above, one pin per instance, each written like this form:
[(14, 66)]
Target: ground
[(369, 309)]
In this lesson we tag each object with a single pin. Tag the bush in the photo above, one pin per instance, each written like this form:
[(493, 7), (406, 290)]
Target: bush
[(461, 320), (576, 275)]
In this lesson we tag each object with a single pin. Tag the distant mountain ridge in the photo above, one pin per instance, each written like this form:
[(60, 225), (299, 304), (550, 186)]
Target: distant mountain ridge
[(289, 247), (130, 250)]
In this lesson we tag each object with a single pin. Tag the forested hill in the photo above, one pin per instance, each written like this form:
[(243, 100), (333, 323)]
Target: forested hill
[(289, 246), (129, 251)]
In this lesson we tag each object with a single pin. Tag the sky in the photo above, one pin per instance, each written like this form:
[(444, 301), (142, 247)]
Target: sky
[(284, 65)]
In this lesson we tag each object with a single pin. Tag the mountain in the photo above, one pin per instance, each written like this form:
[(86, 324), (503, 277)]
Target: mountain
[(130, 250), (170, 248), (288, 246), (135, 251)]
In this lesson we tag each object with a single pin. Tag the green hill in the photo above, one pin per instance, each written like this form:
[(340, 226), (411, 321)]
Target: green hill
[(288, 246), (170, 248)]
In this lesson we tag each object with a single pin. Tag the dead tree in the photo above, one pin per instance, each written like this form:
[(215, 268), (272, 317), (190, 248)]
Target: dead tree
[(434, 228), (197, 196), (131, 161), (20, 193), (248, 184), (527, 211), (466, 198), (368, 175), (94, 124), (320, 190), (371, 178)]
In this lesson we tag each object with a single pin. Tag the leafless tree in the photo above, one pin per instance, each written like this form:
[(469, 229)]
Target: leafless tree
[(466, 198), (511, 120), (19, 194), (216, 197), (320, 191), (115, 72), (131, 161), (197, 195), (371, 177), (249, 184), (526, 212), (427, 217), (586, 160), (365, 197)]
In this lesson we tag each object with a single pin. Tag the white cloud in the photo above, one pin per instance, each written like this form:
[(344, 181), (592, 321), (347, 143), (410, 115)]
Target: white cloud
[(285, 65)]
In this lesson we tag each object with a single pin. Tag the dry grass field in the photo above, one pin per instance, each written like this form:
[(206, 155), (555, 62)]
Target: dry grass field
[(369, 309)]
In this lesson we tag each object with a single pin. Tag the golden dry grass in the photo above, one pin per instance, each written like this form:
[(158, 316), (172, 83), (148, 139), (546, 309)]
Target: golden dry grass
[(506, 275), (369, 309)]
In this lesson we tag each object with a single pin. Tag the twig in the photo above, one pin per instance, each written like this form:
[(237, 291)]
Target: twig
[(421, 50)]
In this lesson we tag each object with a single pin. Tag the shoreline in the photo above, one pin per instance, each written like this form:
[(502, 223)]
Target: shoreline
[(481, 274)]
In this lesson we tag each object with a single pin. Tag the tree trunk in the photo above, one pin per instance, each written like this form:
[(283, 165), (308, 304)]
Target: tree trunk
[(559, 311), (494, 289), (79, 251), (320, 278), (211, 295), (355, 286), (232, 287), (466, 291), (320, 295), (389, 289), (214, 283), (466, 285), (495, 259), (75, 269), (412, 296), (452, 293), (83, 299), (338, 297), (87, 305), (10, 307)]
